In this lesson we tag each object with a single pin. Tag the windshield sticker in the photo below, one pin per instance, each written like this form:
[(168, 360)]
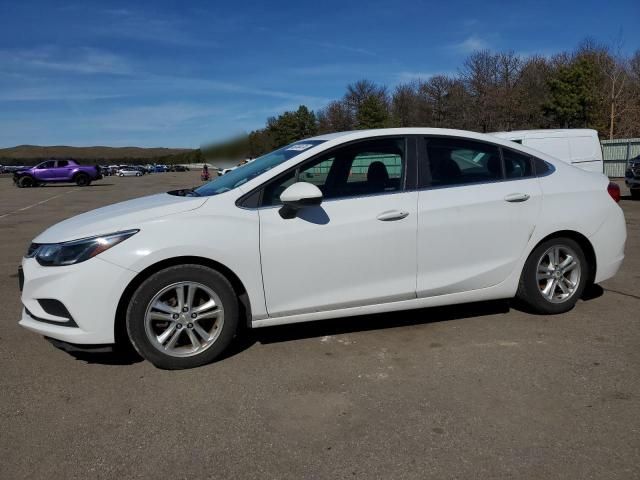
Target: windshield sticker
[(300, 147)]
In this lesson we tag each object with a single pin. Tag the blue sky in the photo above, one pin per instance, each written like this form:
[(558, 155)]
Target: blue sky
[(179, 74)]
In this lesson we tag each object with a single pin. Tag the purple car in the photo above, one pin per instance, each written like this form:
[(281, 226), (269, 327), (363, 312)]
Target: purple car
[(57, 171)]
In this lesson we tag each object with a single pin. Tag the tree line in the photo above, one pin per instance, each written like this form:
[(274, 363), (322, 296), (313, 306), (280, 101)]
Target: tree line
[(594, 86)]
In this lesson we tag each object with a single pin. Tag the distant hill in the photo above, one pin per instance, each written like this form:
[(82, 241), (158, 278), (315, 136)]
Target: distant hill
[(34, 152)]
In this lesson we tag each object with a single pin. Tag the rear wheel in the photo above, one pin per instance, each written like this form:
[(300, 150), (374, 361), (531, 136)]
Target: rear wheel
[(82, 180), (554, 276), (635, 193), (183, 317)]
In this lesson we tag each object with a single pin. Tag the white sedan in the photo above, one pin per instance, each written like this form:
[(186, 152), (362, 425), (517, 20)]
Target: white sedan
[(338, 225), (129, 172)]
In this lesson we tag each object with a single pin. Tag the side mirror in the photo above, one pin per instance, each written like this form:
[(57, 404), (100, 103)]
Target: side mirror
[(297, 196)]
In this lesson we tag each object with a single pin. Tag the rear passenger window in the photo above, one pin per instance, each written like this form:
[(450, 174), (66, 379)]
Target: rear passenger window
[(516, 165), (456, 162), (541, 167), (63, 163)]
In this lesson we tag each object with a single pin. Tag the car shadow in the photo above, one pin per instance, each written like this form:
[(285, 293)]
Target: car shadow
[(246, 338), (100, 354), (363, 323)]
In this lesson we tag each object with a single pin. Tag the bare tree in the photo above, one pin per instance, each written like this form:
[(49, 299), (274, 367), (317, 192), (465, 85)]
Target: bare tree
[(404, 104), (614, 67), (335, 117)]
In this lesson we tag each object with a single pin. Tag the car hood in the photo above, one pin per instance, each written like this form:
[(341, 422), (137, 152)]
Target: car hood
[(119, 216)]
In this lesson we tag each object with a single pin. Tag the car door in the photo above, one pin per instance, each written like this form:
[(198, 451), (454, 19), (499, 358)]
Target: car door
[(358, 247), (476, 214), (45, 171), (61, 171)]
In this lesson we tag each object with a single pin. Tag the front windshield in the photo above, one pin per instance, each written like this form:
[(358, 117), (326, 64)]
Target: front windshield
[(251, 170)]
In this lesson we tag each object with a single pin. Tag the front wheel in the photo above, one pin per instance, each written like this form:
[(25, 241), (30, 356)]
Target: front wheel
[(183, 317), (554, 276), (26, 182)]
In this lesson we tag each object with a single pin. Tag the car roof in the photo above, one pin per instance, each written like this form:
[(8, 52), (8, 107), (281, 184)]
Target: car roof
[(568, 132), (358, 134)]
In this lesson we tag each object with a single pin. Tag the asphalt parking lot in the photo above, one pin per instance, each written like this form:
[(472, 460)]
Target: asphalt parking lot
[(475, 391)]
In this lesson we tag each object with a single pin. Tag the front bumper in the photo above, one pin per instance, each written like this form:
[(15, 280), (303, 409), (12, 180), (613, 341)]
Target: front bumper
[(90, 291)]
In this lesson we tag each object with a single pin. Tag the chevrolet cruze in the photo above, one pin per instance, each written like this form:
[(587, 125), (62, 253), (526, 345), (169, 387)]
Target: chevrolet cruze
[(337, 225)]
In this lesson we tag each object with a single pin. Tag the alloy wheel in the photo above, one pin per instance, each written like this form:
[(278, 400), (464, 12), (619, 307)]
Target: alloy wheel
[(558, 273), (184, 319)]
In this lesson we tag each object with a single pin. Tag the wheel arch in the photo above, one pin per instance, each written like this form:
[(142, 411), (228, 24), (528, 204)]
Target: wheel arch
[(120, 330), (584, 243)]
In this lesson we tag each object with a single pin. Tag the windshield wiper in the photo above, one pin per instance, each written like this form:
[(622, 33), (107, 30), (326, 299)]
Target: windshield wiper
[(185, 192)]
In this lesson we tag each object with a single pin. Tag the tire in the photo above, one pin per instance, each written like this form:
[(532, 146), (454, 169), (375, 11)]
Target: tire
[(536, 289), (121, 175), (635, 193), (26, 182), (138, 174), (164, 335), (82, 180)]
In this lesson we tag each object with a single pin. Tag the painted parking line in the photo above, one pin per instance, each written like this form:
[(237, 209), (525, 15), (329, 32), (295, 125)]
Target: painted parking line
[(37, 203)]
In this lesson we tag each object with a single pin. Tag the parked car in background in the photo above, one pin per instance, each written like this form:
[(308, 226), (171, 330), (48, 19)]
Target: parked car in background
[(338, 225), (13, 168), (57, 171), (180, 168), (579, 147), (160, 168), (632, 177), (129, 172)]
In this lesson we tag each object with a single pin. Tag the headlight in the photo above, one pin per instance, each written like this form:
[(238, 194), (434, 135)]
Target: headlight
[(75, 251)]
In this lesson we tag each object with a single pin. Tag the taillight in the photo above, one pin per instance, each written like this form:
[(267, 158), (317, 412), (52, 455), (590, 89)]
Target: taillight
[(614, 191)]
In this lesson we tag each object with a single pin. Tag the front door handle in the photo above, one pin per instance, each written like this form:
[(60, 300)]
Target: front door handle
[(517, 197), (392, 215)]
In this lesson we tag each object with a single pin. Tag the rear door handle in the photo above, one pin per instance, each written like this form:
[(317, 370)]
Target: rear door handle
[(392, 215), (517, 197)]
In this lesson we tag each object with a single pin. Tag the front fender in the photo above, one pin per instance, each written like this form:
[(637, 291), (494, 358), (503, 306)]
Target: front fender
[(230, 240)]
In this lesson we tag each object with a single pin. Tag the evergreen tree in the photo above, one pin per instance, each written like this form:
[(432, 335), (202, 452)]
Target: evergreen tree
[(372, 113), (573, 94)]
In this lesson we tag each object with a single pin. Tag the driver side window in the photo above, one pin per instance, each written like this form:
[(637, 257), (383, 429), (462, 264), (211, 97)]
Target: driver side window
[(365, 168)]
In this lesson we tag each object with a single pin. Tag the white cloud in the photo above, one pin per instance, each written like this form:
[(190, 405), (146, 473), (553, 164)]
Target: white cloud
[(410, 76), (344, 48), (470, 44), (159, 117), (125, 23), (35, 94), (82, 60)]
